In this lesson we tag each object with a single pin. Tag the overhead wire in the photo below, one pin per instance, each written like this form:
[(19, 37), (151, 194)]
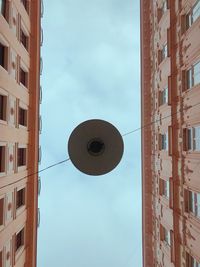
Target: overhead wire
[(128, 133), (151, 123)]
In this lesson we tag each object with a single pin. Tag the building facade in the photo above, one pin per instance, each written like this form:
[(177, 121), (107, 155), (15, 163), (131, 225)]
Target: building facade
[(170, 84), (19, 130)]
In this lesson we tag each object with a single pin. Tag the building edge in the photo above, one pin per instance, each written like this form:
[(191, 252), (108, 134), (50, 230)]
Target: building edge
[(146, 133), (33, 159)]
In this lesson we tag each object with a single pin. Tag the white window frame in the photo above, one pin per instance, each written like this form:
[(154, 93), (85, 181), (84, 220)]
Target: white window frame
[(193, 15), (166, 189), (164, 96), (164, 141), (193, 77), (164, 6), (193, 138), (191, 261), (194, 203), (167, 236)]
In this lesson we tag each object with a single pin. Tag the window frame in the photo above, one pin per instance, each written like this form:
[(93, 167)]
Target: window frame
[(164, 142), (20, 198), (26, 5), (5, 12), (3, 107), (190, 76), (191, 261), (3, 157), (163, 53), (23, 79), (24, 33), (21, 159), (19, 243), (164, 95), (22, 117), (2, 211), (5, 55), (165, 236), (194, 203), (24, 39), (190, 15), (190, 139), (165, 188)]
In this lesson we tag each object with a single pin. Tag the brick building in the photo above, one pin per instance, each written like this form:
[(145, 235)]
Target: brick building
[(170, 67), (19, 130)]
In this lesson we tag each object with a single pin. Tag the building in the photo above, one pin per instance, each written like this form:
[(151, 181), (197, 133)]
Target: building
[(19, 130), (170, 67)]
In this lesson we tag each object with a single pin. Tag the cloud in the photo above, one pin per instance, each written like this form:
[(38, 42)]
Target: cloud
[(91, 70)]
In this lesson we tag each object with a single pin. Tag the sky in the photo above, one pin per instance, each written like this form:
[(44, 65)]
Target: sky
[(91, 70)]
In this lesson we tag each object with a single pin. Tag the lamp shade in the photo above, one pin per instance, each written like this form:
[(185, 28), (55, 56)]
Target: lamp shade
[(95, 147)]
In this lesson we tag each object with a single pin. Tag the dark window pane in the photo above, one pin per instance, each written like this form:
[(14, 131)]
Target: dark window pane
[(189, 79), (1, 211), (190, 140), (24, 39), (3, 105), (23, 77), (2, 158), (19, 239), (2, 52), (3, 7), (22, 117), (20, 198), (21, 157), (3, 56), (25, 4)]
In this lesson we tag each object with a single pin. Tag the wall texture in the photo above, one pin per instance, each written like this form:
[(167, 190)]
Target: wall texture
[(170, 87), (19, 130)]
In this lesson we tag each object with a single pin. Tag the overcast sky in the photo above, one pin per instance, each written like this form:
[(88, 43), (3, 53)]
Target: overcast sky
[(91, 70)]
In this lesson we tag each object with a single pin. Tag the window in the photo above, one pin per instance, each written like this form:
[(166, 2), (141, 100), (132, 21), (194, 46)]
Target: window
[(24, 77), (194, 203), (167, 238), (21, 157), (165, 235), (24, 39), (163, 53), (4, 56), (1, 211), (2, 159), (193, 15), (164, 141), (165, 188), (164, 7), (22, 116), (3, 107), (20, 198), (164, 96), (192, 262), (193, 138), (1, 258), (193, 75), (25, 4), (19, 242), (4, 8)]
